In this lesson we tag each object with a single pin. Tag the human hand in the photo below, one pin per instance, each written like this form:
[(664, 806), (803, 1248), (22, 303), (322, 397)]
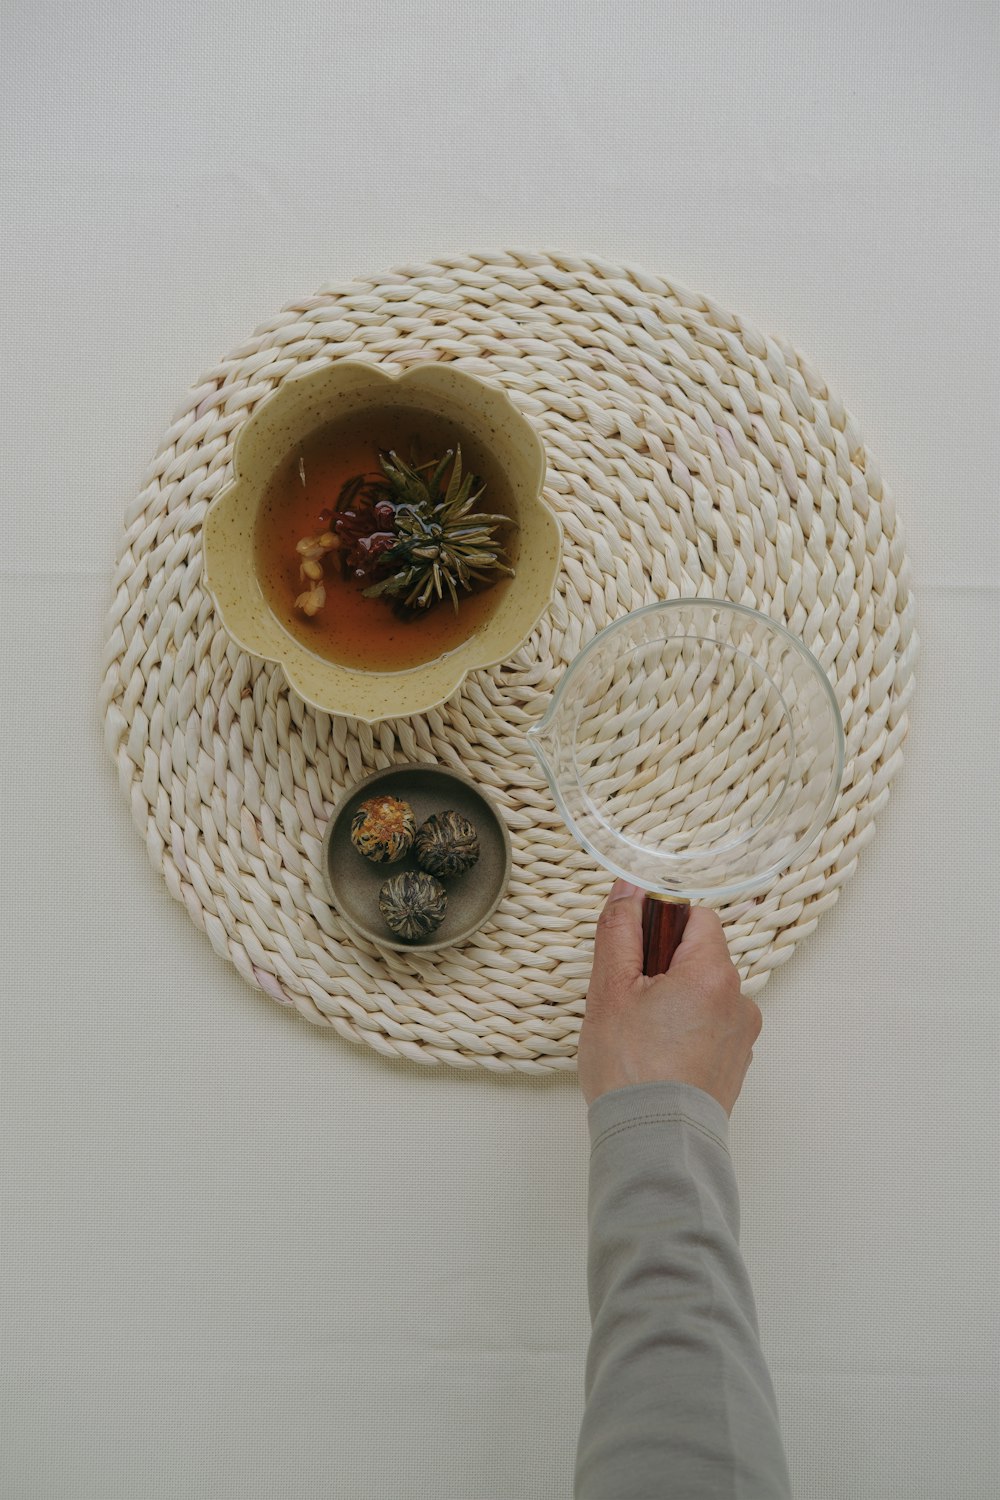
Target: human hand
[(690, 1025)]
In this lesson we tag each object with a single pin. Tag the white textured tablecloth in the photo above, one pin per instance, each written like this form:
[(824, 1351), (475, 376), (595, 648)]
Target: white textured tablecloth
[(243, 1260)]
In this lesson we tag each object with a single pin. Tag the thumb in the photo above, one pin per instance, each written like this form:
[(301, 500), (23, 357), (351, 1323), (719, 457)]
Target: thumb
[(618, 944)]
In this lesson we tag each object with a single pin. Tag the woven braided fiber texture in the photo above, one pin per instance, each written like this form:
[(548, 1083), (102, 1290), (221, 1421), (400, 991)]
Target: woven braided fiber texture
[(688, 454)]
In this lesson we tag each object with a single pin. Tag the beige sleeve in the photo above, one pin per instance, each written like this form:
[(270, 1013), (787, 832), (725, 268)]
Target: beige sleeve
[(679, 1401)]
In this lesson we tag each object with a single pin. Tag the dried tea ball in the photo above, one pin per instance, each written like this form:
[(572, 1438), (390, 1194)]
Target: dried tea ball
[(447, 845), (383, 829), (413, 904)]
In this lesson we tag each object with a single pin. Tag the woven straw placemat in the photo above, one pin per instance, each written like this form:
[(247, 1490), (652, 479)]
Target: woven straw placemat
[(688, 454)]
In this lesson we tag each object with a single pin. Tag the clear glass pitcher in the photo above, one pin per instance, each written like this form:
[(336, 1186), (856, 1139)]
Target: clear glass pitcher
[(695, 748)]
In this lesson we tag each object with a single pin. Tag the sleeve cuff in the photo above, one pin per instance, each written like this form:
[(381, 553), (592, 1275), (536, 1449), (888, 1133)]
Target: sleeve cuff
[(642, 1103)]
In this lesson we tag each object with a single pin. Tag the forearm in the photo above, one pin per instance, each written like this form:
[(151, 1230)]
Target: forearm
[(679, 1402)]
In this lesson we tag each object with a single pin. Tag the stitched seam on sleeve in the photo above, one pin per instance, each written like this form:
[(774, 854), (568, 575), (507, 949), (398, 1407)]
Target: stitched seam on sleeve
[(673, 1118)]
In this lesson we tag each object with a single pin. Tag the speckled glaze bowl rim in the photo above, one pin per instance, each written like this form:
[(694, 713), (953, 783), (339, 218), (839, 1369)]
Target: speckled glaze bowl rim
[(383, 938), (445, 673)]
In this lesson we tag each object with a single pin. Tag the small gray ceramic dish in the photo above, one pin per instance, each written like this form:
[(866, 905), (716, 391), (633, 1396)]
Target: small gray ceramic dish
[(354, 881)]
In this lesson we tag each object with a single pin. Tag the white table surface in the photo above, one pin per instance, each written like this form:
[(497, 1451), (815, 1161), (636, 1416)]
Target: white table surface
[(243, 1260)]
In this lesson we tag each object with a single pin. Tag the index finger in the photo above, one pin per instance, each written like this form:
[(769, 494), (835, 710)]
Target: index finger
[(704, 938)]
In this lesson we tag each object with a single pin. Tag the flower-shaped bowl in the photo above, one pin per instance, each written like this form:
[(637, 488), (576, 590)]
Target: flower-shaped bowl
[(300, 406)]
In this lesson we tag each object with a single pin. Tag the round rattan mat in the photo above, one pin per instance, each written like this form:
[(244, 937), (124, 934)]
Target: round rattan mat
[(688, 454)]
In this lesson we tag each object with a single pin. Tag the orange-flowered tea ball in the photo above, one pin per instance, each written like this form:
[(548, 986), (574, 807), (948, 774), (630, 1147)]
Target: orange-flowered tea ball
[(383, 829)]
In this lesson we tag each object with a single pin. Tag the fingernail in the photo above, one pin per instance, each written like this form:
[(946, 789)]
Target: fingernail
[(623, 890)]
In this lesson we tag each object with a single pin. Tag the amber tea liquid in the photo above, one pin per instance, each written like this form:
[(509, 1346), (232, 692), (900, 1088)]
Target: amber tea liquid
[(351, 630)]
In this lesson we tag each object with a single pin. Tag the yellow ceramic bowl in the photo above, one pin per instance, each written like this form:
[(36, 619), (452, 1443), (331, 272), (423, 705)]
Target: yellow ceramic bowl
[(299, 406)]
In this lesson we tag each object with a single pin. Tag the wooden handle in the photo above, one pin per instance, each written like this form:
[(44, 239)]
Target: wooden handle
[(663, 924)]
